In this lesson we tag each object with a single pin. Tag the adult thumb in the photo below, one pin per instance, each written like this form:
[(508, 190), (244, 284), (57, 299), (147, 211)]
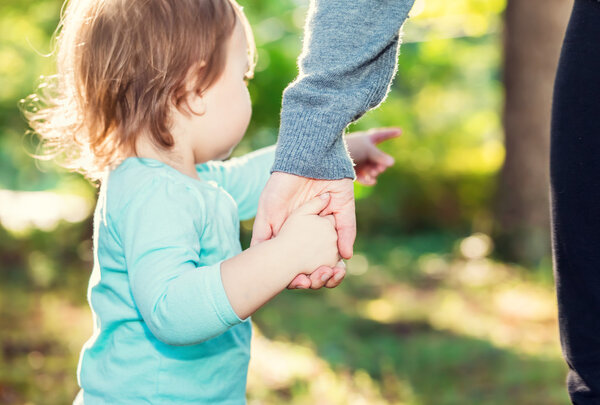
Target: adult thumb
[(261, 231), (314, 206)]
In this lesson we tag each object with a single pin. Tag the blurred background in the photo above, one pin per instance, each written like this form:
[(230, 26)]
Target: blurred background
[(449, 298)]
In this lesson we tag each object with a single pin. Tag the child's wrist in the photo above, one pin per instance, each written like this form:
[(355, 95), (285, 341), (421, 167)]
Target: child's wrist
[(290, 258)]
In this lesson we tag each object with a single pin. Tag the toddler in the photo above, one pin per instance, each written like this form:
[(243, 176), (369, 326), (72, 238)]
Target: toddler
[(149, 96)]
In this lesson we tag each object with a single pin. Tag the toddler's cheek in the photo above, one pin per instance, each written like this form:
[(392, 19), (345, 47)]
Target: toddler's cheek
[(244, 117)]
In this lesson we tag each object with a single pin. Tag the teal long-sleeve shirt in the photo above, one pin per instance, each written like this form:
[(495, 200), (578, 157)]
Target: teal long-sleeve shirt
[(348, 61), (164, 330)]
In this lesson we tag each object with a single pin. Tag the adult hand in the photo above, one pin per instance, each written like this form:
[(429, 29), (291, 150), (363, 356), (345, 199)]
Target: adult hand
[(285, 192), (370, 163)]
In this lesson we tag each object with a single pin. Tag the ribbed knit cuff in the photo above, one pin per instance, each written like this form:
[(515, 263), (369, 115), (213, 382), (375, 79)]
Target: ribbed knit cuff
[(216, 290), (311, 144)]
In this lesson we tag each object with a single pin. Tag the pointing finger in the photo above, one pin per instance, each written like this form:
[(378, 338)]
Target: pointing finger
[(380, 157), (383, 134)]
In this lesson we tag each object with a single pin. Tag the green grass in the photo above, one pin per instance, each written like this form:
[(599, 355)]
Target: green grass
[(414, 323)]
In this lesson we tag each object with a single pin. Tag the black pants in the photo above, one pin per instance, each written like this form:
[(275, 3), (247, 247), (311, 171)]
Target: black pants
[(575, 178)]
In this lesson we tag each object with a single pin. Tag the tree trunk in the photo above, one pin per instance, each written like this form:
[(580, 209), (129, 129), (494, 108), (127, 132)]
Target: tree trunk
[(534, 30)]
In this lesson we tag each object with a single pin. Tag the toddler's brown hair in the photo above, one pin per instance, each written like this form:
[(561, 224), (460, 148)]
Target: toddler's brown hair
[(122, 64)]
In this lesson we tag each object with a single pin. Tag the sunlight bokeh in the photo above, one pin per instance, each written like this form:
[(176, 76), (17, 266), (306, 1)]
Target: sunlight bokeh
[(427, 315)]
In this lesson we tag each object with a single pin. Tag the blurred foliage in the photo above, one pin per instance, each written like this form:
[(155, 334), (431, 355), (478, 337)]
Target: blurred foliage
[(446, 97), (428, 323), (426, 320)]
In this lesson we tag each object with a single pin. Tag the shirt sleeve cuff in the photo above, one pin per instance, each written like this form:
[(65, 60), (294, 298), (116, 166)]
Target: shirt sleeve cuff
[(220, 302), (311, 144)]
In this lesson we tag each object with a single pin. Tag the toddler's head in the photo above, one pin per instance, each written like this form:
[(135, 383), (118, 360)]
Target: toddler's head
[(142, 68)]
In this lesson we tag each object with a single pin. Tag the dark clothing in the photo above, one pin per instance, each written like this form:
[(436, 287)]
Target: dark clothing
[(575, 178)]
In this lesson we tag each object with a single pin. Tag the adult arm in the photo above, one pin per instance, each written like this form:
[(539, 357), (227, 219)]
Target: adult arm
[(346, 67)]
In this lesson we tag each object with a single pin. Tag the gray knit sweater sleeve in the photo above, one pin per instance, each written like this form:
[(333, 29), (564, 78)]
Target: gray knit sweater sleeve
[(346, 67)]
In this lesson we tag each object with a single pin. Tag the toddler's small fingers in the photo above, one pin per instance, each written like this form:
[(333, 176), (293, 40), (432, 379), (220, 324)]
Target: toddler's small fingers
[(378, 156), (314, 206), (381, 168), (369, 180), (378, 135)]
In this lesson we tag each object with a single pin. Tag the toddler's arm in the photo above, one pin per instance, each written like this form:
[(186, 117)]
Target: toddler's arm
[(184, 301), (243, 177), (305, 242), (180, 298)]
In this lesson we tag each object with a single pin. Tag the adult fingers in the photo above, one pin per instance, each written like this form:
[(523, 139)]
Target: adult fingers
[(319, 277), (339, 272), (300, 281), (345, 220), (261, 230)]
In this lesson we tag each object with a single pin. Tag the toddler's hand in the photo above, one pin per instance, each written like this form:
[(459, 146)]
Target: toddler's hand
[(310, 238), (370, 161)]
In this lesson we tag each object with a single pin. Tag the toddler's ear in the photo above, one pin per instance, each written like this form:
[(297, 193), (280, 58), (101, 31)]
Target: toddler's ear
[(195, 103), (194, 100), (193, 74)]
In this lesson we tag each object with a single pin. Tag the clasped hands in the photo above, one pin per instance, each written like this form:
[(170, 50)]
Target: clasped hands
[(285, 192)]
